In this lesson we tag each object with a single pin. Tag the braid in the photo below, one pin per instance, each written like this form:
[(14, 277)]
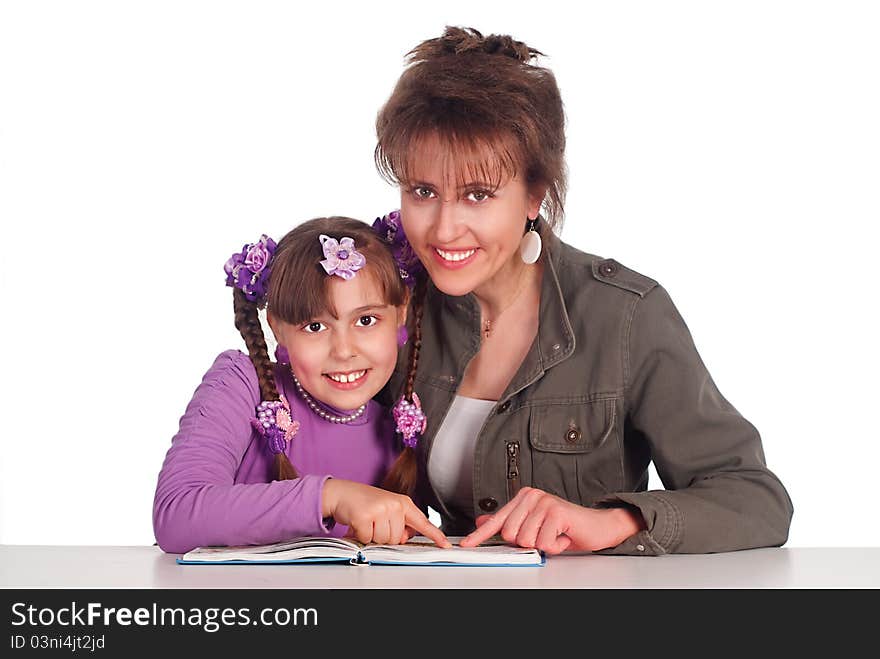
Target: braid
[(402, 475), (247, 321), (418, 310)]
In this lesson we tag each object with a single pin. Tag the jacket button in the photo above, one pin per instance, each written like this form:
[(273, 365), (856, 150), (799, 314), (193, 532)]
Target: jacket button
[(608, 268), (504, 406), (573, 434), (488, 504)]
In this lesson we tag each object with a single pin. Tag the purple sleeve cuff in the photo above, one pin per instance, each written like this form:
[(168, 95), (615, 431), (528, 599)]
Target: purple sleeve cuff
[(324, 523)]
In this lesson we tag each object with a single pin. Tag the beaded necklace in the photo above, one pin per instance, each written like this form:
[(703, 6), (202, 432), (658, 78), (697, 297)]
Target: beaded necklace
[(324, 414)]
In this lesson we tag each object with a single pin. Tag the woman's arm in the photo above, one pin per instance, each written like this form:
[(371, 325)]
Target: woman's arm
[(720, 495)]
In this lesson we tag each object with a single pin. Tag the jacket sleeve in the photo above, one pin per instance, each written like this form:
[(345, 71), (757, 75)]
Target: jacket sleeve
[(719, 494), (197, 501)]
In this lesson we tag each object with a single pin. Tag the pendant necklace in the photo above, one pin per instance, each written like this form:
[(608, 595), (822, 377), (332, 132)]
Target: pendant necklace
[(487, 324)]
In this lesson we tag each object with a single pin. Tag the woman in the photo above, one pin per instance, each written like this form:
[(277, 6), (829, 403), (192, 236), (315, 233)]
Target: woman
[(550, 378)]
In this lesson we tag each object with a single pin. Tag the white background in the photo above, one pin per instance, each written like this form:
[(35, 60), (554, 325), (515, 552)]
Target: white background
[(730, 150)]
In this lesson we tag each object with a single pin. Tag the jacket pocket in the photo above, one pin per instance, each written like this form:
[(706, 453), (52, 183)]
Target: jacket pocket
[(574, 449)]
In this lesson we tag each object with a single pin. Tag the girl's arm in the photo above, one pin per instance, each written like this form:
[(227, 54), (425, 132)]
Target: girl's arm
[(197, 502)]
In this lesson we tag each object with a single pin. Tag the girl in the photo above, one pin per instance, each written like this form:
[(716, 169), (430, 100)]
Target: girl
[(551, 378), (268, 451)]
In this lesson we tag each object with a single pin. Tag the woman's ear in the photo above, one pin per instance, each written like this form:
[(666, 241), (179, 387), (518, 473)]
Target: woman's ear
[(536, 198)]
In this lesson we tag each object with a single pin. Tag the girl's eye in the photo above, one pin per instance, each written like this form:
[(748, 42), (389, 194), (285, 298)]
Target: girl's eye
[(367, 321), (315, 327), (421, 192), (478, 195)]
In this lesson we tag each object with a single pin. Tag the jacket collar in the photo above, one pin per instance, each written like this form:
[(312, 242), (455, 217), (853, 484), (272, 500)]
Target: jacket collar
[(555, 340)]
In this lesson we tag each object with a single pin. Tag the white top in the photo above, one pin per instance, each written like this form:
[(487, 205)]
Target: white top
[(451, 465)]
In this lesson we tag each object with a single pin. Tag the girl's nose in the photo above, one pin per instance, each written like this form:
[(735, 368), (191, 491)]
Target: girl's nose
[(342, 346)]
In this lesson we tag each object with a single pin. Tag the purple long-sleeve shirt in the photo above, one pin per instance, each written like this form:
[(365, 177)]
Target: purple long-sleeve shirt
[(216, 486)]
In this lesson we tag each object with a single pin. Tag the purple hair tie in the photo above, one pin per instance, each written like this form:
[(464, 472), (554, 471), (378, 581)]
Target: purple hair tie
[(411, 421), (249, 269), (275, 424), (340, 257), (390, 229)]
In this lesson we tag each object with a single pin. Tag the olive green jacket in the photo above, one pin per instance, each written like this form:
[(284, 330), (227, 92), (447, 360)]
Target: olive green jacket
[(612, 382)]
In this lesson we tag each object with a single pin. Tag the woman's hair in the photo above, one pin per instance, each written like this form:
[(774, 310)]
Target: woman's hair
[(494, 113), (299, 290)]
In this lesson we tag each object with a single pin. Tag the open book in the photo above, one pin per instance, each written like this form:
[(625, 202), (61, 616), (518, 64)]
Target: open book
[(316, 549)]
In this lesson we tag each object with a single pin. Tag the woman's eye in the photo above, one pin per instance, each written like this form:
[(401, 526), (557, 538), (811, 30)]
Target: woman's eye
[(312, 328), (422, 192), (478, 195), (367, 321)]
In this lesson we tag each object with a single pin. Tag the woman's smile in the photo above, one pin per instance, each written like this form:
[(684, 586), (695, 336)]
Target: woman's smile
[(454, 258)]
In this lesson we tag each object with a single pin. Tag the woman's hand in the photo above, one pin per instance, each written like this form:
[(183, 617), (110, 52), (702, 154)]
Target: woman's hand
[(534, 518), (376, 515)]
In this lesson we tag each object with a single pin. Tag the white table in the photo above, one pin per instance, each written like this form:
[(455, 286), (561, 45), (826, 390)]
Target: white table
[(38, 566)]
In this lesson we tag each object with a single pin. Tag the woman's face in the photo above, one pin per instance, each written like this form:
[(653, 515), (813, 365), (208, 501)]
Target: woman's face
[(344, 361), (467, 235)]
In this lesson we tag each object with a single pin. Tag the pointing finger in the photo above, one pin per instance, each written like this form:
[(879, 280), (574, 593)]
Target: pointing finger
[(416, 519)]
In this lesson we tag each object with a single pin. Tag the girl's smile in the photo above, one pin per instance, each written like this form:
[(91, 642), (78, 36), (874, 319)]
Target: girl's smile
[(347, 380)]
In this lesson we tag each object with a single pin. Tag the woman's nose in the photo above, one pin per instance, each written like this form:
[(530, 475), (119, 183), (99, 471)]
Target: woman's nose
[(447, 227)]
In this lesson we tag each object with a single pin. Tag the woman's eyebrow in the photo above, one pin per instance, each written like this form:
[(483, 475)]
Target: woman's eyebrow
[(463, 186)]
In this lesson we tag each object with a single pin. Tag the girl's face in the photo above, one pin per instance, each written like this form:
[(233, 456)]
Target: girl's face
[(465, 235), (344, 361)]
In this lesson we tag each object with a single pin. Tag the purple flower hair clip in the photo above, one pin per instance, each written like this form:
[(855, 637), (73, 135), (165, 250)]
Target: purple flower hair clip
[(390, 229), (275, 424), (249, 269), (340, 257), (411, 421)]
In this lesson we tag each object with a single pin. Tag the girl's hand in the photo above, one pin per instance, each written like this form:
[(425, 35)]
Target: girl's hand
[(376, 515), (534, 518)]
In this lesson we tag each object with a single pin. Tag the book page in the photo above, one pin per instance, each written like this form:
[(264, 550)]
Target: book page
[(423, 550), (287, 550)]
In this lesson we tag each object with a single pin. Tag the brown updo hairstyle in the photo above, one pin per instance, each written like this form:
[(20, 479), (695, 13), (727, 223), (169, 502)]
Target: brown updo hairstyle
[(495, 115), (299, 291)]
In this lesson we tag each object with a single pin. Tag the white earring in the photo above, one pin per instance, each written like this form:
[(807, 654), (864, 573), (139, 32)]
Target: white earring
[(530, 245)]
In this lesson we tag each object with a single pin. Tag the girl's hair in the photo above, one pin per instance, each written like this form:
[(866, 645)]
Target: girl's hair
[(494, 113), (403, 473), (299, 290)]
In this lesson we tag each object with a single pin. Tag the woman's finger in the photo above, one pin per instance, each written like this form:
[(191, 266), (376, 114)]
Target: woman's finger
[(482, 519), (535, 522), (496, 522), (550, 537), (489, 528), (529, 502)]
